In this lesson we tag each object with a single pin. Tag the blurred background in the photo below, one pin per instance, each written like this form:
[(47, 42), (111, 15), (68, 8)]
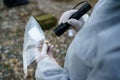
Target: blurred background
[(12, 27)]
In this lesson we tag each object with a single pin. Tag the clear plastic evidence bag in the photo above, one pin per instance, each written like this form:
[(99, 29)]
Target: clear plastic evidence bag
[(33, 37)]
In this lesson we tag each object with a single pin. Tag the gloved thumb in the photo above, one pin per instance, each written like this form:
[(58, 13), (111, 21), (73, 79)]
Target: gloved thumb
[(44, 49), (75, 24)]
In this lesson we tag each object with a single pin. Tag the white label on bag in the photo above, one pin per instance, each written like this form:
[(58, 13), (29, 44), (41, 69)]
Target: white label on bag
[(35, 34)]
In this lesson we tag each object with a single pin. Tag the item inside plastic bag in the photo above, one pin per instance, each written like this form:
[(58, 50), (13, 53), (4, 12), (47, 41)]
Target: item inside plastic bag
[(33, 37)]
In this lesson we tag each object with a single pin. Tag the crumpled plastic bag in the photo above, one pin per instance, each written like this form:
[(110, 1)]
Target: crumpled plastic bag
[(33, 37)]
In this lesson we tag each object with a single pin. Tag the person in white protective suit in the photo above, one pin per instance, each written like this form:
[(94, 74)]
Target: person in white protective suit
[(94, 54)]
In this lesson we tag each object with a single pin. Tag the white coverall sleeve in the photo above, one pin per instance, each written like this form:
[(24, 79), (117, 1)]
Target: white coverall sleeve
[(107, 63), (47, 69), (107, 68)]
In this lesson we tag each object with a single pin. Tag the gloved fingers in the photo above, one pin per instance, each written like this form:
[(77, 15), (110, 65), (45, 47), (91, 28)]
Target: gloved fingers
[(66, 15), (46, 52), (85, 17), (44, 49), (50, 50), (50, 47), (76, 24)]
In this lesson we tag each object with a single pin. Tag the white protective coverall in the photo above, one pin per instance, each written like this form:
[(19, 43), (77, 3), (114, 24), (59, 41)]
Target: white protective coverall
[(94, 53)]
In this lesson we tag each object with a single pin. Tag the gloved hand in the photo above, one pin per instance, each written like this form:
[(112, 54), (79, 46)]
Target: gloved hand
[(76, 24), (46, 51), (46, 64)]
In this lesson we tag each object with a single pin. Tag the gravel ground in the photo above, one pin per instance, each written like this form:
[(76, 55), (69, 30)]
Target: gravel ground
[(12, 27), (56, 7)]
